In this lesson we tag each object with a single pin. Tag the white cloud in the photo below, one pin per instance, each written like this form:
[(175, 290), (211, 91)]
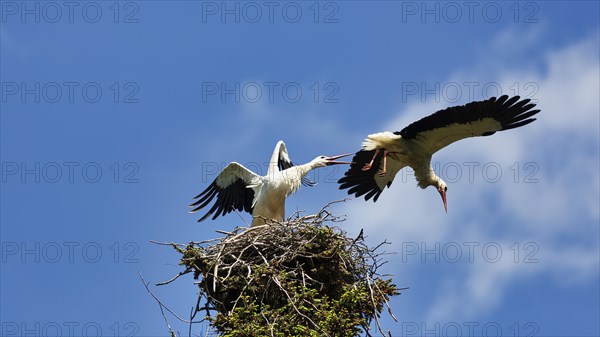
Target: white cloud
[(562, 146)]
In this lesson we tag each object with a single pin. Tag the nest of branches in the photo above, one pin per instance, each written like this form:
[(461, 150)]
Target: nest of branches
[(299, 277)]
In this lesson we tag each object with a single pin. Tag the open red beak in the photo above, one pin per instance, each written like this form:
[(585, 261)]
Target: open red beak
[(333, 161), (443, 194)]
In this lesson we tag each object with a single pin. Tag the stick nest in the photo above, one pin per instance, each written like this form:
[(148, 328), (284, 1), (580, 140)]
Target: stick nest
[(299, 277)]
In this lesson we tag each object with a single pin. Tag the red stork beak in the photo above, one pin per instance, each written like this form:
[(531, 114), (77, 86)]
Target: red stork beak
[(333, 161), (443, 194)]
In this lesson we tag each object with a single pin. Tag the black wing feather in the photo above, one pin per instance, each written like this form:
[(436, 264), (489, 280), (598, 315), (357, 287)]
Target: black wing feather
[(284, 165), (510, 113), (208, 197), (235, 196), (361, 182)]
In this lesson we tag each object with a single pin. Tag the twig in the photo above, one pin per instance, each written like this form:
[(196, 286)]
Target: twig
[(187, 270), (223, 232), (375, 313), (276, 280), (241, 217), (164, 306), (163, 243)]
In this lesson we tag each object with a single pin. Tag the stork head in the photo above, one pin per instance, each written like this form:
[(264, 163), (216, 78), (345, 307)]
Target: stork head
[(322, 161), (442, 188)]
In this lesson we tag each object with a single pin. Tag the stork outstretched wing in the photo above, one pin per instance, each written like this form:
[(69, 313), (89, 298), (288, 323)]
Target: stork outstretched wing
[(233, 189), (480, 118)]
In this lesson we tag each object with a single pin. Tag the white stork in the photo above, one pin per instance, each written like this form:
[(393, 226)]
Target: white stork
[(236, 187), (383, 154)]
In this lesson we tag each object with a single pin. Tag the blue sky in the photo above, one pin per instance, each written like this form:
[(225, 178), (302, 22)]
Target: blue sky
[(115, 114)]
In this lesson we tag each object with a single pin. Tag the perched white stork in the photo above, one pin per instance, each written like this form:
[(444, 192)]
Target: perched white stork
[(384, 154), (236, 187)]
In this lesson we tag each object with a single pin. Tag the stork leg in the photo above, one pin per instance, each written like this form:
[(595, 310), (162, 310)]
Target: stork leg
[(368, 165), (383, 171)]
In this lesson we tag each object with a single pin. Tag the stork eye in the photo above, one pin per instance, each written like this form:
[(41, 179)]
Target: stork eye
[(446, 189)]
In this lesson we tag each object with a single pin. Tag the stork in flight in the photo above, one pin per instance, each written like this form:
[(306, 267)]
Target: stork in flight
[(236, 187), (383, 154)]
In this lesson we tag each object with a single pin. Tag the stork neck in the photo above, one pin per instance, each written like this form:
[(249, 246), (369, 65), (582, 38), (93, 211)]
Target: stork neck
[(427, 177), (305, 168), (293, 176)]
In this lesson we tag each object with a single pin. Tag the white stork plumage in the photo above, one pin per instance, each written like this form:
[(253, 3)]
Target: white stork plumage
[(238, 188), (384, 154)]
